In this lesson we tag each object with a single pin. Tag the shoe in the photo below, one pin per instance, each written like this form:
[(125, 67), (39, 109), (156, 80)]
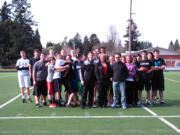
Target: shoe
[(148, 102), (124, 107), (29, 100), (53, 105), (23, 100), (162, 102), (37, 105), (44, 104), (114, 106), (157, 99), (82, 107), (74, 104), (94, 106), (68, 105), (139, 103)]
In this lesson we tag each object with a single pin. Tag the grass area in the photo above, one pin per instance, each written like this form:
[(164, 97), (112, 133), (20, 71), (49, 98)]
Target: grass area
[(111, 126)]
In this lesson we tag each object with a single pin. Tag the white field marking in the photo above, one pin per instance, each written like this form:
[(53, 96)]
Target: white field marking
[(7, 76), (71, 131), (41, 131), (19, 115), (11, 100), (53, 114), (162, 119), (172, 80), (102, 131), (85, 117), (135, 131), (87, 114)]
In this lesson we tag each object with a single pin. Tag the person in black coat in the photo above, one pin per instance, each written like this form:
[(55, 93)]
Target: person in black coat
[(102, 72), (88, 80)]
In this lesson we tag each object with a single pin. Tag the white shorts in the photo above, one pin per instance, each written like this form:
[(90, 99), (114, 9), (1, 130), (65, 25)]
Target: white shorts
[(23, 81)]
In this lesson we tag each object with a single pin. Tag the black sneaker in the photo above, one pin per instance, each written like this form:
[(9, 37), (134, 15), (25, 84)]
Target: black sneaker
[(38, 105), (23, 100), (82, 107), (29, 100), (44, 104), (162, 102)]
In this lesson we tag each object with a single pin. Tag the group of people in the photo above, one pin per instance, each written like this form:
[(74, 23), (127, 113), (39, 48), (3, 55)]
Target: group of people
[(107, 80)]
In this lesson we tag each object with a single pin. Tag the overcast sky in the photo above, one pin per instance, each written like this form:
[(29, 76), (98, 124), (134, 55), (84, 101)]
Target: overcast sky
[(158, 20)]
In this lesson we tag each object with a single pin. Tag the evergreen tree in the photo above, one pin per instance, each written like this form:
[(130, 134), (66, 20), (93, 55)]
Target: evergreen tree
[(134, 37), (94, 40), (22, 13), (176, 45), (171, 46), (87, 46), (36, 40), (5, 12)]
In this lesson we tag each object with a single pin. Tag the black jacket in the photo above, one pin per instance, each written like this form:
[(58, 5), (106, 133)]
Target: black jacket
[(87, 69), (100, 73), (120, 72)]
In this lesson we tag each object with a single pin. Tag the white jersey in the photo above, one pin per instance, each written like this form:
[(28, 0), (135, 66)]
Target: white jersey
[(23, 63), (58, 63)]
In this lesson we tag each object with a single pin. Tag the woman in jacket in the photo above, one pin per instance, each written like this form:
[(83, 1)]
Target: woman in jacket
[(102, 72)]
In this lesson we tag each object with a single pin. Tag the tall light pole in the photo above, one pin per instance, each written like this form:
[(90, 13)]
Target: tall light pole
[(130, 25)]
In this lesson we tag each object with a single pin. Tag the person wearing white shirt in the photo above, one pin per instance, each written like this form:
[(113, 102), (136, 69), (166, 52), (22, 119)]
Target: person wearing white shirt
[(22, 66)]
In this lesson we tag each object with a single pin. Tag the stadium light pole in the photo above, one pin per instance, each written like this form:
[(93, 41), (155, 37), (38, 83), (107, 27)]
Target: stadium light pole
[(130, 25)]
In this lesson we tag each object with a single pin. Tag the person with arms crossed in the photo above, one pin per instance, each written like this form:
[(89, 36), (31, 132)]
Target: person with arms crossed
[(22, 66)]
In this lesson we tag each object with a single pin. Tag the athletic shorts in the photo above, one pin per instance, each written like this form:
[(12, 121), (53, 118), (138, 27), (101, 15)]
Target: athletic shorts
[(50, 88), (69, 86), (144, 84), (23, 81), (57, 85), (158, 84), (40, 88)]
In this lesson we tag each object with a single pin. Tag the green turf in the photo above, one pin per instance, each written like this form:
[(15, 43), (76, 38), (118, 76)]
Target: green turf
[(136, 126), (85, 127)]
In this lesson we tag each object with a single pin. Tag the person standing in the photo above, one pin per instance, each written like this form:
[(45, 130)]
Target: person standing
[(39, 80), (158, 76), (88, 81), (33, 60), (130, 85), (22, 67), (120, 73), (102, 72), (145, 68)]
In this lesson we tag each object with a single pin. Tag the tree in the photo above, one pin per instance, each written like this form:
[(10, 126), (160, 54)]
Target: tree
[(87, 46), (37, 41), (144, 45), (76, 42), (134, 37), (113, 35), (171, 46), (94, 40), (176, 45), (22, 13), (5, 12)]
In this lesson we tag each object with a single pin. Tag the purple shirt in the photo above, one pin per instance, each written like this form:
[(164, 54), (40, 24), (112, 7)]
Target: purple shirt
[(132, 71)]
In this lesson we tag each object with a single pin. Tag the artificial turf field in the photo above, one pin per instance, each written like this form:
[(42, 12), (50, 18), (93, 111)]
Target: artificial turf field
[(25, 119)]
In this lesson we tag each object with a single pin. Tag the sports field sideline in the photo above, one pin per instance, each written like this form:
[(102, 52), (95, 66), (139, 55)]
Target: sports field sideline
[(25, 119)]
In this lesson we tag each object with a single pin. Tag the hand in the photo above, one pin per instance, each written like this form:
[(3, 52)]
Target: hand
[(34, 83), (82, 83)]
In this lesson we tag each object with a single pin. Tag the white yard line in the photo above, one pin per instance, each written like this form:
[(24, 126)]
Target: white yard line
[(85, 117), (11, 100), (162, 119), (172, 80), (7, 76)]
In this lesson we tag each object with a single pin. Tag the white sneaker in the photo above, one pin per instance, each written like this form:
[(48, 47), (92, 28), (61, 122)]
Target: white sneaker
[(149, 103), (139, 103)]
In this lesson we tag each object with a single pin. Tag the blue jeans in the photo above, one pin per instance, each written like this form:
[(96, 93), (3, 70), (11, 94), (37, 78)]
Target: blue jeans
[(119, 86)]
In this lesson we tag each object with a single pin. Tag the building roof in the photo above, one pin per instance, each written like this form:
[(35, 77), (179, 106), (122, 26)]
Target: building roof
[(163, 51)]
